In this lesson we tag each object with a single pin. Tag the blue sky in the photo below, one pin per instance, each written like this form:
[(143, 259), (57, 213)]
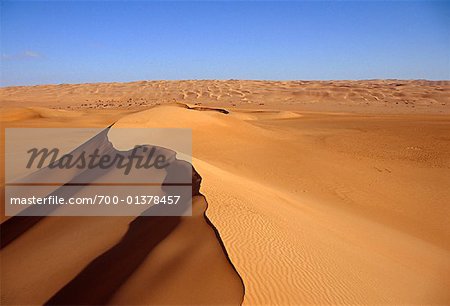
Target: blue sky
[(46, 42)]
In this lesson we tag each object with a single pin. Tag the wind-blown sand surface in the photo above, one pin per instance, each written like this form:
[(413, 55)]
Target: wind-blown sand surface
[(376, 96), (346, 204)]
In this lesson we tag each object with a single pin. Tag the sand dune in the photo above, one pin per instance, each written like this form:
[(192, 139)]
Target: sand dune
[(373, 96), (305, 222), (163, 254), (322, 207)]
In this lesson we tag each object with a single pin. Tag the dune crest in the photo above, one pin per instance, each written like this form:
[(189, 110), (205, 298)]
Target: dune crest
[(154, 251)]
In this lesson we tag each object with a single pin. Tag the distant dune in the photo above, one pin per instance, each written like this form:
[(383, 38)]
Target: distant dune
[(416, 96), (321, 193)]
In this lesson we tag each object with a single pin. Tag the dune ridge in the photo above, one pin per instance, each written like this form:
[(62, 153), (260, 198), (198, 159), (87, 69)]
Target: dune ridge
[(102, 280)]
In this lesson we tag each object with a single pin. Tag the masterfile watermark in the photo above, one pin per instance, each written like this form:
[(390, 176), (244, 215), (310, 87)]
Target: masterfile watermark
[(98, 172), (52, 158)]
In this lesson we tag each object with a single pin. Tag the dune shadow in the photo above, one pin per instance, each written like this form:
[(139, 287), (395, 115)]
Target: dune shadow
[(14, 227), (17, 225), (96, 283), (100, 279)]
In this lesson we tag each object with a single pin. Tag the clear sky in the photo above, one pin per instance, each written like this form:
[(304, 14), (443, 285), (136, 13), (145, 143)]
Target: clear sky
[(75, 42)]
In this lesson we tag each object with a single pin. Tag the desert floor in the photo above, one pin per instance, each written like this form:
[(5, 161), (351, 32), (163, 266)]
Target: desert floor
[(312, 193)]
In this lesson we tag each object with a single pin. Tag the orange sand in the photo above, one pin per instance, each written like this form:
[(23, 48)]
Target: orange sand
[(329, 193)]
